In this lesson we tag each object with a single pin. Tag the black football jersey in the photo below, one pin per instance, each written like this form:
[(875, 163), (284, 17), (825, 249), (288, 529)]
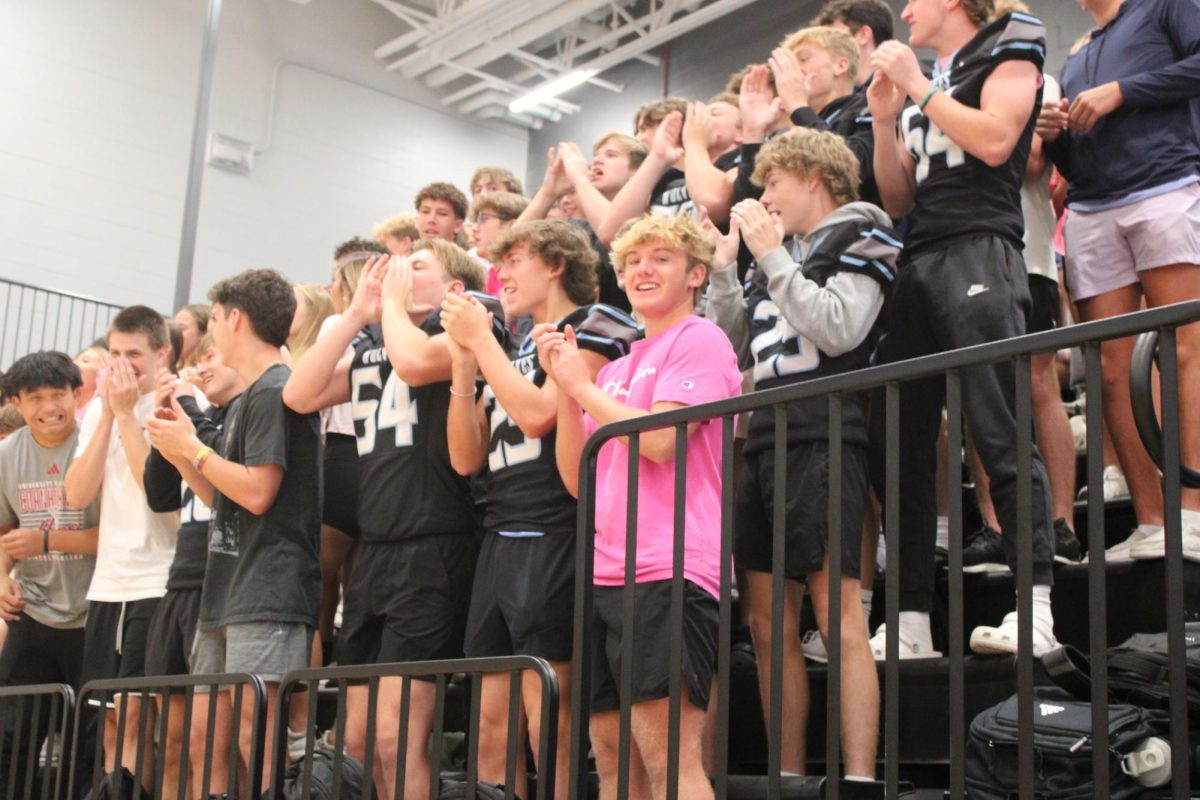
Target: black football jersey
[(782, 355), (524, 490), (957, 193), (407, 487)]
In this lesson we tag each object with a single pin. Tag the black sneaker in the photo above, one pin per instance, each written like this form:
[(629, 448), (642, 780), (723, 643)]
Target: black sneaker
[(984, 551), (1067, 549)]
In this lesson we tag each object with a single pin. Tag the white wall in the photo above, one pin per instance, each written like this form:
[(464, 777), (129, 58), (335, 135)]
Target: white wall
[(96, 108)]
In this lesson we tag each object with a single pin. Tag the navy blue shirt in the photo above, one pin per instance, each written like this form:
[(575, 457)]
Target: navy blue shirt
[(1152, 49)]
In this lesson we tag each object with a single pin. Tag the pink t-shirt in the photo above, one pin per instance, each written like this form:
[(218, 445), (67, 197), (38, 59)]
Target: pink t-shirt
[(691, 363)]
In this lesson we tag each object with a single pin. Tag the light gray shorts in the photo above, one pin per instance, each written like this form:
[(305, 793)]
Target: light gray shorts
[(267, 649), (1107, 249)]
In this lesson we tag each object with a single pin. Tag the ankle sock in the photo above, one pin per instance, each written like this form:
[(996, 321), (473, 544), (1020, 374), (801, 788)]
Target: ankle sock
[(866, 595), (1191, 519), (1041, 605), (943, 533), (860, 778), (914, 626)]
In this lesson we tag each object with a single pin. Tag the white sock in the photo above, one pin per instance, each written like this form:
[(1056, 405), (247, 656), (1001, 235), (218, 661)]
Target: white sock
[(914, 626), (1041, 605), (866, 595), (1191, 519), (943, 533), (860, 778), (1150, 530)]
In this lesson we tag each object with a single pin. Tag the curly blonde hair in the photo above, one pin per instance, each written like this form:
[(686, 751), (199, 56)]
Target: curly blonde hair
[(805, 152), (681, 232)]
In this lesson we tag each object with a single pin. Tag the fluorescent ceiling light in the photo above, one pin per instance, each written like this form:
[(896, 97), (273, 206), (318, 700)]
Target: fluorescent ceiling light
[(550, 90)]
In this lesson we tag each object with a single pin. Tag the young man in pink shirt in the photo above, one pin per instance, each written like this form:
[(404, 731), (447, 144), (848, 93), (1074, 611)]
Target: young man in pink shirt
[(683, 360)]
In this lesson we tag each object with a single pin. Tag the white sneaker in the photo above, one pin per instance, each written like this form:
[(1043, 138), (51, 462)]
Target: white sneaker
[(814, 647), (1115, 487), (1120, 551), (1154, 545), (908, 648), (1002, 639)]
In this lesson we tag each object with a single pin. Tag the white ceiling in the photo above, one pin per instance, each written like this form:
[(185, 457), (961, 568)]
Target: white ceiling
[(480, 55)]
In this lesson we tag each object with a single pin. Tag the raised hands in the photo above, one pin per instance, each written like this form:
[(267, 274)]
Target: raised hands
[(668, 144), (791, 83), (559, 355), (367, 306), (762, 231), (899, 63), (122, 387), (466, 321), (725, 244), (758, 103), (697, 127), (555, 183), (173, 434)]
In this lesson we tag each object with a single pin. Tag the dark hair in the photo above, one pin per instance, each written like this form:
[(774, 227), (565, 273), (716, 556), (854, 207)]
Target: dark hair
[(446, 192), (142, 319), (358, 245), (265, 297), (175, 330), (46, 368), (874, 14)]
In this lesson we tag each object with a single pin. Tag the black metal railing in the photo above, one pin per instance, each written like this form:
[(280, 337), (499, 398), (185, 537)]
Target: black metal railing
[(468, 673), (32, 757), (36, 318), (889, 377), (153, 729)]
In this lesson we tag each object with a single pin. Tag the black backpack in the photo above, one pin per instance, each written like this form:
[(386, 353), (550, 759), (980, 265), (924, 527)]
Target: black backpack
[(454, 787), (355, 786), (1137, 671), (1062, 743)]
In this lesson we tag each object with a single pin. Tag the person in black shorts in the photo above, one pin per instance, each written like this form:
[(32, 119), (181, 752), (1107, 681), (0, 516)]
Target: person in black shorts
[(953, 162), (47, 555), (522, 601), (407, 598), (797, 322), (173, 627)]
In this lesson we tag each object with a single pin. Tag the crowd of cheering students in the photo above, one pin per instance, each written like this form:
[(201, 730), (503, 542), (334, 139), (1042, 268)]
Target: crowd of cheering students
[(202, 495)]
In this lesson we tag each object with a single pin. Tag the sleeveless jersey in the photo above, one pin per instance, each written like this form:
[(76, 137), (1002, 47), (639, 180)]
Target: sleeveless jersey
[(407, 487), (783, 356), (525, 492), (957, 193)]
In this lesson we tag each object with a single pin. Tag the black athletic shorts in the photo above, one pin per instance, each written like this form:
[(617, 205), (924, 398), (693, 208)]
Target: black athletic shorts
[(1043, 313), (37, 653), (651, 641), (172, 632), (115, 639), (807, 513), (341, 484), (523, 600), (407, 601)]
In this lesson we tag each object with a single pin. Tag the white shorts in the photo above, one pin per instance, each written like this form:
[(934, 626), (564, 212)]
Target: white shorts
[(1107, 249)]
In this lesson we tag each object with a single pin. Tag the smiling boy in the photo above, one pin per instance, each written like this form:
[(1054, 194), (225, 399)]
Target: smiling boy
[(683, 360)]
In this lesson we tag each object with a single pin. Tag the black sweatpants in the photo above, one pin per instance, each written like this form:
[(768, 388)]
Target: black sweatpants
[(971, 291), (35, 653)]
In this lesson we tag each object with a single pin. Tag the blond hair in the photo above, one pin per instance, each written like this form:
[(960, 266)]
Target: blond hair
[(1003, 7), (500, 175), (679, 232), (399, 226), (636, 151), (838, 44), (806, 152), (505, 205), (457, 264), (655, 112), (978, 11), (319, 308)]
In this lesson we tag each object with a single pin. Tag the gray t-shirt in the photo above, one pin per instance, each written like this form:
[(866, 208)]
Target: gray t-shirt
[(55, 584)]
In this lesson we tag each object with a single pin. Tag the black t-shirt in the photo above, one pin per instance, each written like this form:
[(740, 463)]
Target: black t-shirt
[(611, 293), (162, 482), (266, 568), (525, 492), (670, 196), (957, 194), (407, 487)]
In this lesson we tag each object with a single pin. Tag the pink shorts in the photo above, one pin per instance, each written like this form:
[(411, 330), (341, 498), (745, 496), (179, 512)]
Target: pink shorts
[(1107, 249)]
